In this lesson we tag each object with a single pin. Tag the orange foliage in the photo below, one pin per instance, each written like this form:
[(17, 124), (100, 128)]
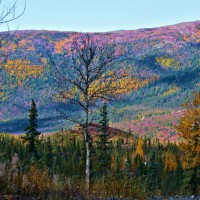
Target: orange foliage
[(139, 149), (63, 44), (186, 38), (170, 162), (26, 43), (59, 45)]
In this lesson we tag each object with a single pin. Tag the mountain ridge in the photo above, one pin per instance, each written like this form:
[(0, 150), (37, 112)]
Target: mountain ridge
[(136, 29)]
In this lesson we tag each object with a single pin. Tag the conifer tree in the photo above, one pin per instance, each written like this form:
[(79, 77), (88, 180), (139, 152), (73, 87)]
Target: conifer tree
[(103, 145), (49, 153), (128, 164), (178, 176), (31, 137), (152, 175)]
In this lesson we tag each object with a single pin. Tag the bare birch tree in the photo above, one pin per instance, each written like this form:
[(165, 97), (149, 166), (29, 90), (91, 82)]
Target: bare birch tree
[(86, 76)]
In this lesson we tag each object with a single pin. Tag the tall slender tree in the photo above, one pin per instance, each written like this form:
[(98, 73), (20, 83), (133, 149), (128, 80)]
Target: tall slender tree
[(31, 137), (83, 77), (153, 170), (103, 154)]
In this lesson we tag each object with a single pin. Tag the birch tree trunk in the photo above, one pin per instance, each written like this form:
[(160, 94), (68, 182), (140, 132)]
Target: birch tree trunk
[(87, 177), (87, 145)]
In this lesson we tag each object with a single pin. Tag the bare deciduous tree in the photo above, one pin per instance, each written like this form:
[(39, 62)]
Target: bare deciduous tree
[(86, 76)]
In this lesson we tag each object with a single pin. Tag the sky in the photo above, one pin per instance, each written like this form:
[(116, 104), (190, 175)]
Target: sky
[(102, 15)]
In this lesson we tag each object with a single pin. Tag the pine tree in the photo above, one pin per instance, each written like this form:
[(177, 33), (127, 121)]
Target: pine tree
[(31, 137), (103, 155)]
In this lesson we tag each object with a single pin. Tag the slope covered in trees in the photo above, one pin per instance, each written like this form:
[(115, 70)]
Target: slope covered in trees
[(163, 64)]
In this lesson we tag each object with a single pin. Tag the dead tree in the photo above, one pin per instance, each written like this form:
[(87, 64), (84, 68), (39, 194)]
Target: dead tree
[(85, 77)]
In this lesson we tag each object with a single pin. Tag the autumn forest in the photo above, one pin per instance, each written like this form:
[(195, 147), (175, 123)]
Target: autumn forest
[(111, 115)]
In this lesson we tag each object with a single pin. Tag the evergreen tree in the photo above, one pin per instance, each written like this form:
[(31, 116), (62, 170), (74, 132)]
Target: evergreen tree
[(178, 176), (191, 181), (128, 165), (31, 137), (103, 155), (48, 153), (152, 175)]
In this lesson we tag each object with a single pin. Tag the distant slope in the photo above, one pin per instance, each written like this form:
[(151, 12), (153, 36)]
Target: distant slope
[(169, 54)]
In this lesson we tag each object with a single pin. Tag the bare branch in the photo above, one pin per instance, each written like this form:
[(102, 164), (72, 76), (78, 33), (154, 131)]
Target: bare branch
[(8, 13)]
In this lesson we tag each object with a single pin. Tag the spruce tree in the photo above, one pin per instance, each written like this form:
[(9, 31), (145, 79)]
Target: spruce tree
[(48, 153), (103, 155), (31, 137), (152, 174)]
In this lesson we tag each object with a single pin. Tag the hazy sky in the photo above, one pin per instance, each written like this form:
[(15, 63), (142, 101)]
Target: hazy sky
[(103, 15)]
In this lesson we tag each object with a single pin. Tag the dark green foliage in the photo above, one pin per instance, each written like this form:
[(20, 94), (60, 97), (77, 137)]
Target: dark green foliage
[(63, 156), (191, 181), (103, 148), (48, 153), (128, 165), (153, 172), (31, 137)]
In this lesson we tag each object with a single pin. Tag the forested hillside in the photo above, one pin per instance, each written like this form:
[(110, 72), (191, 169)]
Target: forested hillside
[(164, 64)]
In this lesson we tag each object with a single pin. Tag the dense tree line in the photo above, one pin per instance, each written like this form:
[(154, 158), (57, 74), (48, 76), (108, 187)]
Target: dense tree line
[(121, 166)]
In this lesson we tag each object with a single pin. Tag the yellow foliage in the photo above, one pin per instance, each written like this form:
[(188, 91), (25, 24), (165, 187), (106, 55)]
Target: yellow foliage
[(36, 180), (139, 149), (189, 131), (22, 70), (109, 84), (170, 162), (59, 45), (121, 86), (1, 94), (168, 63), (123, 163), (44, 60), (171, 90)]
